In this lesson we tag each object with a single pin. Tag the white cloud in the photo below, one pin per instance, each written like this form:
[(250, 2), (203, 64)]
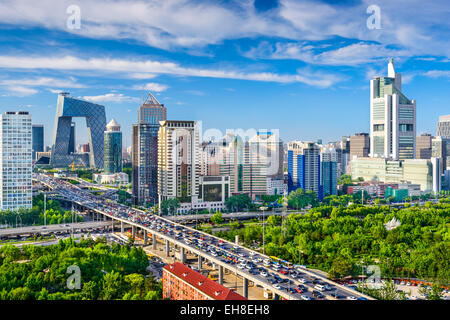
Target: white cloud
[(174, 24), (43, 82), (20, 91), (152, 67), (350, 55), (437, 74), (110, 97), (151, 86)]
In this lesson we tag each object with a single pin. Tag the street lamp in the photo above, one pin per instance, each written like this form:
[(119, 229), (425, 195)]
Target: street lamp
[(264, 228)]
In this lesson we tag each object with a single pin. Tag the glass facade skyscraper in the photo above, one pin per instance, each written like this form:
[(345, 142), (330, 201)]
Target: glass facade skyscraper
[(38, 139), (145, 151), (113, 148), (15, 160)]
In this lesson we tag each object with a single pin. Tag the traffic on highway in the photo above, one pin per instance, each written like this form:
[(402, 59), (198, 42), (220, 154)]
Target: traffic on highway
[(298, 282)]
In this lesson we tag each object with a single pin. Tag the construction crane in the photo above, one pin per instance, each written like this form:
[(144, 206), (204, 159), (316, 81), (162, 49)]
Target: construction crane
[(73, 165)]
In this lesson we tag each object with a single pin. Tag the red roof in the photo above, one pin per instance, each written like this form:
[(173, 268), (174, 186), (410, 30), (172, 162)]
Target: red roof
[(202, 283)]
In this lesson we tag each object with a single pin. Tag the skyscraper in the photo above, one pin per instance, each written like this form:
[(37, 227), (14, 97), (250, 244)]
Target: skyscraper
[(179, 161), (359, 145), (440, 148), (263, 159), (392, 118), (443, 127), (113, 148), (304, 166), (15, 160), (423, 146), (144, 155), (38, 139), (64, 132), (329, 175)]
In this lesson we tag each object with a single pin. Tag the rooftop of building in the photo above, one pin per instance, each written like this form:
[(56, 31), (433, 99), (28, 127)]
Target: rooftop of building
[(200, 282)]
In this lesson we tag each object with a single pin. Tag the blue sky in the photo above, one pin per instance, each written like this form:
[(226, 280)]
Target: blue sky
[(302, 67)]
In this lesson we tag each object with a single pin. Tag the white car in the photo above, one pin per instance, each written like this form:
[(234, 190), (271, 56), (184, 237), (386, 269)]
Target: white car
[(263, 273), (351, 298), (276, 286), (305, 297), (301, 280)]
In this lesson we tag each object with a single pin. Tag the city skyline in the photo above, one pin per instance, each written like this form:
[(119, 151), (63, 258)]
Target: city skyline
[(232, 78)]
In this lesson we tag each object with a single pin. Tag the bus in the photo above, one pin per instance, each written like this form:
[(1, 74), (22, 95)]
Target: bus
[(280, 262)]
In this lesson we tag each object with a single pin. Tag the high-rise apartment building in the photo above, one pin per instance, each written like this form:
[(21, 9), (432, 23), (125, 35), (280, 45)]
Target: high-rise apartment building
[(179, 160), (443, 127), (359, 145), (144, 151), (423, 146), (113, 148), (304, 166), (263, 159), (15, 160), (38, 139), (232, 161), (392, 118)]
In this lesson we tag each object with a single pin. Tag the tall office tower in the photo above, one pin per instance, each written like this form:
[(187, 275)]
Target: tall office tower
[(151, 111), (443, 127), (72, 138), (63, 136), (263, 159), (392, 118), (232, 161), (38, 139), (359, 145), (113, 148), (329, 174), (179, 161), (144, 154), (15, 160), (440, 148), (423, 146), (437, 172), (304, 166)]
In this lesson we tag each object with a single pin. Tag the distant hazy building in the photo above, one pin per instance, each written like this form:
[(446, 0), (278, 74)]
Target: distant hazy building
[(392, 118), (15, 160), (415, 171), (359, 145), (423, 146), (38, 139), (113, 148), (443, 127), (263, 158), (440, 148), (304, 166)]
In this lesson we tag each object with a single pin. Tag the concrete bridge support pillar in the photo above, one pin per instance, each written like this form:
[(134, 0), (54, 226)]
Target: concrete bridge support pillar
[(121, 227), (220, 275), (145, 237), (167, 247), (245, 288), (182, 255), (199, 262), (104, 217), (154, 241), (133, 232)]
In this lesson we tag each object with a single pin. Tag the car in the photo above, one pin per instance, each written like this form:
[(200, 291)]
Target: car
[(276, 286), (292, 290), (319, 287), (351, 298), (305, 297), (301, 280), (282, 271), (263, 273), (298, 290)]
